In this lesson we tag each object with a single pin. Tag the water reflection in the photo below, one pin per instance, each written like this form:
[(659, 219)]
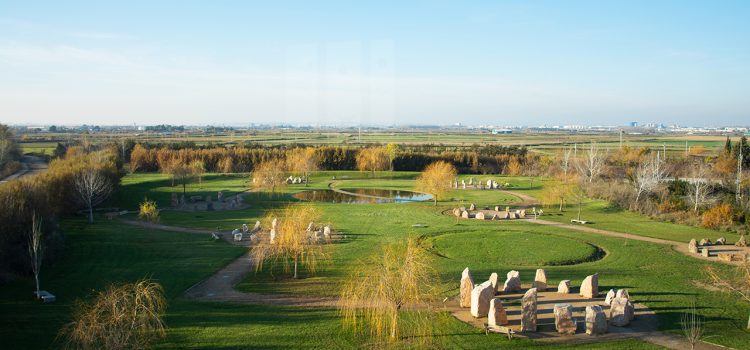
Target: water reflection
[(362, 196)]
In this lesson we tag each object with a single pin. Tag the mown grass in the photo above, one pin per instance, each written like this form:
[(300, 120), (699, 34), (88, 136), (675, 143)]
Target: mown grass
[(104, 252)]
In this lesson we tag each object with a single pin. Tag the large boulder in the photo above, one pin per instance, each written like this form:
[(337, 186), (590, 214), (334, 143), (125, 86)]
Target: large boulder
[(512, 282), (610, 295), (456, 212), (563, 287), (693, 246), (621, 312), (479, 216), (705, 242), (528, 311), (564, 321), (494, 280), (467, 285), (465, 214), (496, 316), (721, 241), (596, 320), (481, 296), (623, 293), (540, 280), (472, 207), (590, 287)]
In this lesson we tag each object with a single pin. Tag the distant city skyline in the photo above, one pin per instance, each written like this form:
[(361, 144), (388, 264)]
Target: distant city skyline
[(381, 63)]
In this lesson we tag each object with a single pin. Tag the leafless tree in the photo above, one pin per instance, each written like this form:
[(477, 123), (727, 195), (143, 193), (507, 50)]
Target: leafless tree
[(648, 176), (692, 326), (699, 188), (92, 188), (36, 250), (592, 164), (737, 283), (565, 161)]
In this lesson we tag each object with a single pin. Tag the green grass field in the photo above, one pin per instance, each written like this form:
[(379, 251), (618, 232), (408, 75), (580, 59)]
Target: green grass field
[(109, 251)]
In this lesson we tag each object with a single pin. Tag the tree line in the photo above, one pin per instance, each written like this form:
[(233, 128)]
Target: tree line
[(80, 180)]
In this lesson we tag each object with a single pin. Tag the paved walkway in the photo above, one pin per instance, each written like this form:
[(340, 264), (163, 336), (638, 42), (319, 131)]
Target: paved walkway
[(30, 165)]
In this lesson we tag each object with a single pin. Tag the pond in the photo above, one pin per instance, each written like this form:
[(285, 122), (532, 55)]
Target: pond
[(362, 196)]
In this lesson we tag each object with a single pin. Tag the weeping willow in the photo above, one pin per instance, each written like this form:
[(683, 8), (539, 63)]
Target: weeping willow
[(392, 290)]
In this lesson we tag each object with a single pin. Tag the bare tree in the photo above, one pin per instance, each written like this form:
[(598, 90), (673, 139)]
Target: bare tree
[(92, 188), (36, 250), (592, 164), (699, 189), (692, 326), (648, 176), (565, 161)]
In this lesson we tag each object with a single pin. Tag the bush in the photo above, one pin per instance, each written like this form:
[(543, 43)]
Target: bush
[(148, 211), (718, 217)]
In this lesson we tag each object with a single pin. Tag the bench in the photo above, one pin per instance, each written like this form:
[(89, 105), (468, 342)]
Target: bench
[(45, 296), (576, 221)]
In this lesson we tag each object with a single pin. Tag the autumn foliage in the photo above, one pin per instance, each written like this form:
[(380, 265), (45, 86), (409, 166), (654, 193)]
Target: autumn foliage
[(717, 217), (436, 178)]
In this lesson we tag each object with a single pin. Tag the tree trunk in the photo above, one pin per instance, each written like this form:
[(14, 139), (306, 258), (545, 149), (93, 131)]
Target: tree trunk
[(91, 213), (183, 186), (36, 278), (579, 209), (561, 205), (394, 324), (295, 267), (748, 322)]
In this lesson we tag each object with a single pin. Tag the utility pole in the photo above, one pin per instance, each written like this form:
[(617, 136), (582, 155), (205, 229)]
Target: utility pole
[(664, 150), (620, 138)]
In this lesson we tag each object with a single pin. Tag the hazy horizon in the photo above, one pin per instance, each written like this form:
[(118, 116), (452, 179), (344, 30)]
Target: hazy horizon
[(385, 63)]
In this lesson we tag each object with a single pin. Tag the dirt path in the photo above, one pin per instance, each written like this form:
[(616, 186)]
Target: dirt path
[(220, 286)]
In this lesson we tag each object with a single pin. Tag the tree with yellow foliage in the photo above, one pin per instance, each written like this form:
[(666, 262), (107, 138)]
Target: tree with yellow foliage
[(560, 191), (435, 179), (399, 277), (302, 161), (292, 244), (373, 159), (269, 176)]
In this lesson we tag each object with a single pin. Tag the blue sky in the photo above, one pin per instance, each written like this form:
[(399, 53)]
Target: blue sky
[(384, 62)]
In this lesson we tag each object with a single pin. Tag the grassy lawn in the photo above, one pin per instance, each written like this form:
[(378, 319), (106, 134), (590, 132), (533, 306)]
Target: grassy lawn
[(110, 251), (606, 217)]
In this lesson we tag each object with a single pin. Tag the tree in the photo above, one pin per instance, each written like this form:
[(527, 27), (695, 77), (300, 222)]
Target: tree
[(692, 326), (373, 159), (293, 244), (559, 191), (699, 187), (737, 283), (303, 161), (198, 168), (435, 179), (148, 211), (717, 216), (565, 160), (92, 187), (126, 316), (649, 174), (36, 249), (392, 149), (269, 175), (592, 164), (399, 277)]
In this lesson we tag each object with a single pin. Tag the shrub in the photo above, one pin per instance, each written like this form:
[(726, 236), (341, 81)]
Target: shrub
[(148, 211), (717, 217)]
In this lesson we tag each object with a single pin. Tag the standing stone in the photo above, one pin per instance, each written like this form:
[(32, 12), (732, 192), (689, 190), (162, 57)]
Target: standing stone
[(465, 214), (256, 228), (467, 285), (693, 246), (327, 231), (590, 287), (721, 241), (528, 311), (245, 229), (621, 312), (471, 181), (623, 293), (493, 280), (610, 295), (479, 216), (563, 287), (489, 183), (705, 252), (497, 315), (273, 230), (472, 207), (522, 213), (512, 282), (495, 217), (497, 208), (220, 196), (564, 321), (457, 212), (540, 280), (705, 242), (481, 296), (596, 320)]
